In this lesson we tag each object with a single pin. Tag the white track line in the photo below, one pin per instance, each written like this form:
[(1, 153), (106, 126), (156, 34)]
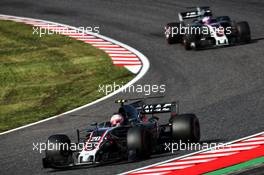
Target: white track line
[(248, 143), (254, 139), (122, 46)]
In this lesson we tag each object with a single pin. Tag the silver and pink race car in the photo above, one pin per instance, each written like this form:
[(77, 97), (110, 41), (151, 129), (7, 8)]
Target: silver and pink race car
[(197, 29)]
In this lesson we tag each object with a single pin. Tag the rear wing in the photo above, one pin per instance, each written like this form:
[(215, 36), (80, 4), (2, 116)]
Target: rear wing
[(195, 13), (172, 108), (143, 108)]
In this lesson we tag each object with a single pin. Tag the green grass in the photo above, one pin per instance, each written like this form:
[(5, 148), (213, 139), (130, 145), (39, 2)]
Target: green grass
[(45, 76), (238, 167)]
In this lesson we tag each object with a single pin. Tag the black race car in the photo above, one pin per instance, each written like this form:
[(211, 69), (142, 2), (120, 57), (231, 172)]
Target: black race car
[(139, 136), (204, 30)]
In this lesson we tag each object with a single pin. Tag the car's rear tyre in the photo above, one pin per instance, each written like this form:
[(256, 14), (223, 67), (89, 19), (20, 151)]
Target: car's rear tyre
[(243, 31), (185, 127), (172, 33), (58, 151), (139, 143)]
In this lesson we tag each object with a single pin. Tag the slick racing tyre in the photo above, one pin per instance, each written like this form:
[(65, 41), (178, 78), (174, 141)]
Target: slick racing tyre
[(243, 31), (191, 42), (185, 127), (138, 143), (172, 33), (58, 152)]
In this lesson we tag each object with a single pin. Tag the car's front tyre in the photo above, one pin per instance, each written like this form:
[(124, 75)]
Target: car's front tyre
[(172, 33), (139, 143), (191, 41), (58, 153), (243, 32)]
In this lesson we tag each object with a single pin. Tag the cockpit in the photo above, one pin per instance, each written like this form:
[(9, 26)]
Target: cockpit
[(130, 113)]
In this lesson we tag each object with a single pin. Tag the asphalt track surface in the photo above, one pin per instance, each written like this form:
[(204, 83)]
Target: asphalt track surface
[(224, 87)]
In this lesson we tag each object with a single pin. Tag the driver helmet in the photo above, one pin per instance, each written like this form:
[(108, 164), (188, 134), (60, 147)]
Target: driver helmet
[(117, 119), (207, 20)]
